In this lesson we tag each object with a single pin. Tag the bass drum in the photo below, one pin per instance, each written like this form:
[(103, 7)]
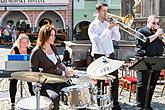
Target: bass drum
[(29, 103), (76, 96)]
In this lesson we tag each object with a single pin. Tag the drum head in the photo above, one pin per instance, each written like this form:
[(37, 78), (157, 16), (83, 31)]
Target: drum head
[(29, 103)]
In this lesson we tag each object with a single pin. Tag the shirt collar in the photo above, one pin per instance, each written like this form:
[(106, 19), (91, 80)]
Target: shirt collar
[(98, 21)]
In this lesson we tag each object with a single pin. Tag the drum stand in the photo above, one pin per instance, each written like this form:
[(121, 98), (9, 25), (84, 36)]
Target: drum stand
[(37, 90), (105, 102)]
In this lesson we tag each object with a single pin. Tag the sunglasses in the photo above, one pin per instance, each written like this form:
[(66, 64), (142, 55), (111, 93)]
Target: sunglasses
[(155, 23)]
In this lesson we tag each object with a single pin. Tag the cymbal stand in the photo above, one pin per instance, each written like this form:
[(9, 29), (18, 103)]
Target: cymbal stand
[(106, 100), (21, 89), (110, 90), (94, 95), (37, 90), (103, 99), (101, 96)]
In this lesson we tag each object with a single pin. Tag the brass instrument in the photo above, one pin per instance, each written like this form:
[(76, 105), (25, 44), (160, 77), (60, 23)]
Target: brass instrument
[(127, 20), (162, 36), (125, 24)]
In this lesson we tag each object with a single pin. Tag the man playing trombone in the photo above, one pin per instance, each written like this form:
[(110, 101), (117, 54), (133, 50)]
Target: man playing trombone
[(153, 46), (102, 33)]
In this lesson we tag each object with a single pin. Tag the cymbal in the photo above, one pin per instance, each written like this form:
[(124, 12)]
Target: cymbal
[(38, 77), (103, 66), (105, 77)]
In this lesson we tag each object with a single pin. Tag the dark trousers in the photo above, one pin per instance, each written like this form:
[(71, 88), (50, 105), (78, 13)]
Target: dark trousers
[(114, 89), (142, 82), (6, 38), (52, 91), (13, 89)]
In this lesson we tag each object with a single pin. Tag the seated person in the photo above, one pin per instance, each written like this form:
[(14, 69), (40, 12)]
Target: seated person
[(45, 56)]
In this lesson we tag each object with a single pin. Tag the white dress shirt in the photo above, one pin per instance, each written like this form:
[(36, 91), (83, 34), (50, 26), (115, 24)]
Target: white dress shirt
[(101, 37)]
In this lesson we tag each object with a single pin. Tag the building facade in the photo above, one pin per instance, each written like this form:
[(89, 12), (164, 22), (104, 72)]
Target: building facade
[(34, 12), (83, 15)]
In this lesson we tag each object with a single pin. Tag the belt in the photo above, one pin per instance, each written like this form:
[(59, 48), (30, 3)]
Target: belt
[(108, 56)]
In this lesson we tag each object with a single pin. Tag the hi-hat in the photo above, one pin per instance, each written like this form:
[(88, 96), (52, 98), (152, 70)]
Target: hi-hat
[(38, 77), (103, 66)]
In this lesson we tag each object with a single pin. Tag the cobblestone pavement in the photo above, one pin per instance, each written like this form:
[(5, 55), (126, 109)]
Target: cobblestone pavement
[(158, 102)]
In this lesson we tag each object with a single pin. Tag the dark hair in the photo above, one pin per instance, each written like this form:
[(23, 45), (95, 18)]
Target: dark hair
[(99, 5), (44, 34)]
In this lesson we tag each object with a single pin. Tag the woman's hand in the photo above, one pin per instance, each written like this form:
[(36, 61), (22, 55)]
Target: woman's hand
[(68, 72)]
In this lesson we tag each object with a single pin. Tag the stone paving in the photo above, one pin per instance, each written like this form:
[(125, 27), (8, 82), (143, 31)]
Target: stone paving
[(158, 102)]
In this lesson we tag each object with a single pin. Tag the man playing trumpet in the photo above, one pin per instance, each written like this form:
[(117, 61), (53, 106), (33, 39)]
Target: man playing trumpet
[(102, 33), (154, 46)]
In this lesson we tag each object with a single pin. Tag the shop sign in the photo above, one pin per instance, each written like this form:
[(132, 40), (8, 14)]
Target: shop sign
[(33, 1)]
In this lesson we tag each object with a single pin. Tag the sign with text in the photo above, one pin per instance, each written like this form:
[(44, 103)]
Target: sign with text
[(33, 1)]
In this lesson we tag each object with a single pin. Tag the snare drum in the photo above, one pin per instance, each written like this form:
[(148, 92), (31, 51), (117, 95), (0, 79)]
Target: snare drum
[(29, 103), (77, 96)]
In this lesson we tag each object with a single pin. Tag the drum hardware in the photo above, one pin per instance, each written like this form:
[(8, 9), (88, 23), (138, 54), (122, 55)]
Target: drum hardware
[(39, 78), (105, 101), (99, 69), (93, 92)]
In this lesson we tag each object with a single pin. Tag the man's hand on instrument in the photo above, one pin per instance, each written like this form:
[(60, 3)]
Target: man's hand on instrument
[(111, 25), (159, 32)]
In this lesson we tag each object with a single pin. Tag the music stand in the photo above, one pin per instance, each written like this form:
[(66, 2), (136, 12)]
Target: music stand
[(150, 64)]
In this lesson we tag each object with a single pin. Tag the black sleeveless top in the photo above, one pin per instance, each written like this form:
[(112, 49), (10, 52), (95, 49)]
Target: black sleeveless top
[(17, 50)]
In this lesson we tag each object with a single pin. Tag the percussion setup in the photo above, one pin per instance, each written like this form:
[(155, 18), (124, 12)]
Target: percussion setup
[(81, 94)]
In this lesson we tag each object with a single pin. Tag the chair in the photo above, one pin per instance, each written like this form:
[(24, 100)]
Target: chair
[(128, 80)]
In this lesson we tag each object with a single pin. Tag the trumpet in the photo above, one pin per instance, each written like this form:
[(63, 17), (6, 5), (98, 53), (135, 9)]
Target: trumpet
[(162, 36), (125, 24)]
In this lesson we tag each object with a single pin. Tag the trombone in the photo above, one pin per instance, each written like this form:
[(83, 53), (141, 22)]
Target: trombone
[(125, 23)]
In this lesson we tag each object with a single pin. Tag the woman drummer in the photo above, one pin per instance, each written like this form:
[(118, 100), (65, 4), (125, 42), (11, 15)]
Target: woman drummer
[(45, 56)]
